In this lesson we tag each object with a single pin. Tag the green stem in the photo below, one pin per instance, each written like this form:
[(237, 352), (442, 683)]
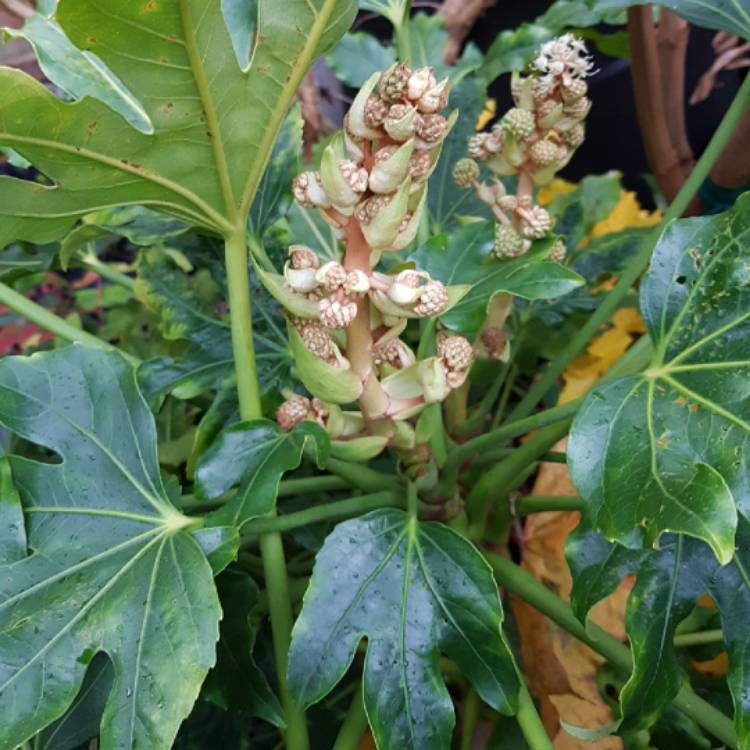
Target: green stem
[(499, 480), (412, 502), (469, 719), (304, 485), (401, 27), (525, 586), (529, 721), (107, 272), (505, 396), (271, 546), (354, 506), (54, 323), (353, 726), (698, 638), (362, 477), (525, 506), (640, 262)]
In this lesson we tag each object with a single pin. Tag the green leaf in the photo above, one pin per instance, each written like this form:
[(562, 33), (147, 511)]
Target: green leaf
[(19, 260), (79, 73), (357, 56), (253, 457), (414, 590), (236, 682), (274, 196), (113, 567), (210, 145), (665, 450), (465, 257), (241, 17), (668, 583), (12, 529)]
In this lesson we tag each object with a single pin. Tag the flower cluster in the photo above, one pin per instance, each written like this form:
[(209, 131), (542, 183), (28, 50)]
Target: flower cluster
[(533, 141), (371, 188)]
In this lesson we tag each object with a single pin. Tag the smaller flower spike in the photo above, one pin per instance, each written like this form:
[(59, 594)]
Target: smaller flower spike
[(509, 243), (519, 123), (456, 355), (465, 172)]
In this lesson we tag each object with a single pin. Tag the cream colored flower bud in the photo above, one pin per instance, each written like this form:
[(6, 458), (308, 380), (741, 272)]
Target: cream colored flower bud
[(336, 314), (520, 123), (300, 280), (394, 82), (357, 283), (294, 410), (578, 109), (431, 129), (331, 275), (435, 98), (407, 286), (302, 257), (391, 167), (477, 147), (355, 176), (496, 140), (544, 152), (456, 355), (393, 352), (433, 299), (508, 203), (575, 136), (376, 110), (343, 179), (369, 209), (557, 252), (420, 165), (537, 222), (465, 172), (401, 122), (419, 82), (357, 120), (509, 243), (309, 192), (574, 89), (316, 338)]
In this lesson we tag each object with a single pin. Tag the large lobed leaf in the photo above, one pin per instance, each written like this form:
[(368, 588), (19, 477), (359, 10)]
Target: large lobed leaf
[(214, 125), (465, 257), (113, 567), (665, 450), (669, 581), (414, 590)]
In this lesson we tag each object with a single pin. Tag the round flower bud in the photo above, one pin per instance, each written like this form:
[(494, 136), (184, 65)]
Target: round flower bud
[(303, 257), (407, 286), (394, 82), (477, 147), (508, 242), (357, 283), (393, 352), (309, 192), (433, 299), (544, 152), (542, 88), (547, 107), (432, 128), (401, 122), (465, 172), (557, 252), (336, 314), (508, 202), (376, 110), (420, 165), (575, 136), (537, 222), (578, 109), (370, 208), (293, 411), (331, 275), (520, 123), (355, 176), (419, 82), (455, 352), (574, 89), (315, 338), (435, 98)]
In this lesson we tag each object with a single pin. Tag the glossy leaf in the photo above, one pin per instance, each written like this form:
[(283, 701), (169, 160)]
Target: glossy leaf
[(357, 56), (210, 145), (19, 260), (465, 257), (241, 17), (414, 590), (236, 682), (253, 457), (12, 529), (664, 450), (113, 567), (669, 581), (77, 72)]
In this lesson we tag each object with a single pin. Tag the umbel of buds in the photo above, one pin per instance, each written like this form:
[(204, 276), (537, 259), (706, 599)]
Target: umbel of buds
[(533, 141), (346, 316)]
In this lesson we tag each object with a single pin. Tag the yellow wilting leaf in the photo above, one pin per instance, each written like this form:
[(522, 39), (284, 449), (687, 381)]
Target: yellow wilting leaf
[(601, 354), (487, 114), (558, 186), (627, 213)]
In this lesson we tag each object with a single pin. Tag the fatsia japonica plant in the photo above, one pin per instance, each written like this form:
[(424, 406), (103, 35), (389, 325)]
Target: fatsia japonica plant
[(263, 486)]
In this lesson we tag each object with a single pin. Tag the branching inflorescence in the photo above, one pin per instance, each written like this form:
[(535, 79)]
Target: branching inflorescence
[(372, 189), (533, 141)]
